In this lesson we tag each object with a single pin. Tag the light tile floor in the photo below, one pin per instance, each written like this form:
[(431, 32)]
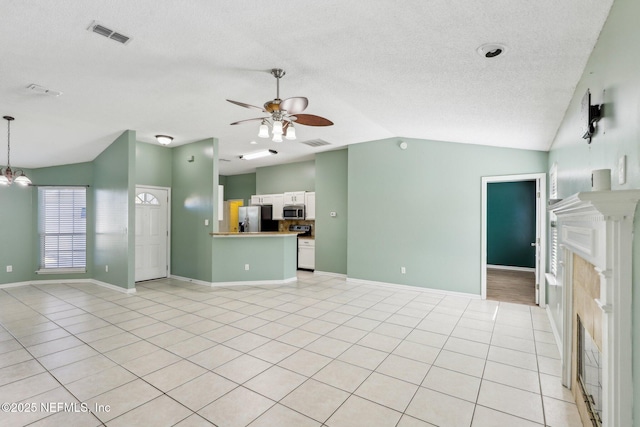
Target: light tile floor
[(318, 352)]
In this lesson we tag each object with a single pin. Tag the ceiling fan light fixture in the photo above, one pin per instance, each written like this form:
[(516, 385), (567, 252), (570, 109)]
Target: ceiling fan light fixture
[(164, 139), (291, 132), (264, 131), (277, 137)]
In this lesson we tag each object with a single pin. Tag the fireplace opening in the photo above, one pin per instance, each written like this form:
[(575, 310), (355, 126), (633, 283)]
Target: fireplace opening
[(590, 374)]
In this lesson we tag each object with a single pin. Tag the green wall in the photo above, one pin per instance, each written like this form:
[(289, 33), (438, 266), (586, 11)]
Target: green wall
[(613, 76), (331, 196), (16, 232), (154, 164), (420, 208), (241, 186), (299, 176), (114, 186), (194, 188), (511, 223)]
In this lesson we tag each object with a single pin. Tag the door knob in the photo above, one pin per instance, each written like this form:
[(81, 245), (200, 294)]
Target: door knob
[(533, 244)]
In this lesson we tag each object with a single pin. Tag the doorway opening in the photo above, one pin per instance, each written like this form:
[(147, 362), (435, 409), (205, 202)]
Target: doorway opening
[(152, 232), (513, 238)]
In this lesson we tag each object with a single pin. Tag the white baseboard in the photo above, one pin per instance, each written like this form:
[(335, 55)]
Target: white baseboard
[(508, 267), (63, 281), (255, 282), (194, 281), (328, 273), (238, 283), (413, 288), (14, 285), (113, 287), (554, 329)]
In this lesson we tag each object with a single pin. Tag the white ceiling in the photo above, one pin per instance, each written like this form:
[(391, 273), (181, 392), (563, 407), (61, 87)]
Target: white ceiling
[(376, 68)]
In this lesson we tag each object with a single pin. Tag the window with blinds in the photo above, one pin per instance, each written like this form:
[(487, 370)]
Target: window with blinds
[(62, 226), (553, 194)]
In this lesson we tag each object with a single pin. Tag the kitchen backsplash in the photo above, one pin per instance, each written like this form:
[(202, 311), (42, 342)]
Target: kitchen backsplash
[(284, 225)]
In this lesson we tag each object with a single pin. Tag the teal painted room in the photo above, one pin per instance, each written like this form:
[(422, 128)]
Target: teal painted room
[(393, 212)]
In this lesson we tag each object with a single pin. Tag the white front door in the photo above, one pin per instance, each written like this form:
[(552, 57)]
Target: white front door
[(152, 233)]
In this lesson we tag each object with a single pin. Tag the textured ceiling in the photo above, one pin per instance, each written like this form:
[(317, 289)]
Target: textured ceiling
[(376, 68)]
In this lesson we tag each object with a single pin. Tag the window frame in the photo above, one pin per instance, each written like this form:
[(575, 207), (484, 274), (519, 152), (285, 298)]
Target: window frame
[(77, 230)]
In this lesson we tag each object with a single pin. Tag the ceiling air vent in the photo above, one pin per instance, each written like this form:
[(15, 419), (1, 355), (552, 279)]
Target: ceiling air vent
[(108, 33), (315, 142), (224, 160)]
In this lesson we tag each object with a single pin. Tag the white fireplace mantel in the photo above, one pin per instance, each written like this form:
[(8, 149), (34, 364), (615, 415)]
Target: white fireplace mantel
[(598, 226)]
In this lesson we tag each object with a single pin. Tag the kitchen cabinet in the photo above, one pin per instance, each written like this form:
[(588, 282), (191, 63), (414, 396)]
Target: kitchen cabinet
[(306, 254), (262, 199), (294, 198), (275, 200), (310, 205)]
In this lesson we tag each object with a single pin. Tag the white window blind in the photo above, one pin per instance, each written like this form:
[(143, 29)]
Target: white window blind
[(553, 194), (62, 226)]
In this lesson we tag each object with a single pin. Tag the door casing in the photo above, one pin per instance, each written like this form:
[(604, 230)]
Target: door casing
[(541, 226), (140, 188)]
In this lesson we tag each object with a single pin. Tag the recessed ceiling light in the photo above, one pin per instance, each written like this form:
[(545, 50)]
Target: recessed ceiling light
[(491, 50)]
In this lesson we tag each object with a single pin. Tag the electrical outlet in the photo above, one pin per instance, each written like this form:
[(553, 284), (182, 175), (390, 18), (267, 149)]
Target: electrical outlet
[(403, 270), (333, 214), (9, 268), (106, 268), (246, 267)]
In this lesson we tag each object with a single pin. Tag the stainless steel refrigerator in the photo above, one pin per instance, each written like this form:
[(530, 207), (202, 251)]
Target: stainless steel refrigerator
[(253, 219)]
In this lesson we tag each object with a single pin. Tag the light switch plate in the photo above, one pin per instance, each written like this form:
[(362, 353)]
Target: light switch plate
[(622, 170), (206, 222)]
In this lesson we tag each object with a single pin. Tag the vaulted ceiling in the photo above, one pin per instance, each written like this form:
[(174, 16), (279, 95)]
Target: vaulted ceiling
[(376, 68)]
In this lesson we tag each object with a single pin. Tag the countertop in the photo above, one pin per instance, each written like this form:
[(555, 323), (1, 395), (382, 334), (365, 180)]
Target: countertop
[(254, 234)]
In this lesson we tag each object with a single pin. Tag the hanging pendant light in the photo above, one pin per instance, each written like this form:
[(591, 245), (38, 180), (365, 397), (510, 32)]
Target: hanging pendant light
[(7, 175)]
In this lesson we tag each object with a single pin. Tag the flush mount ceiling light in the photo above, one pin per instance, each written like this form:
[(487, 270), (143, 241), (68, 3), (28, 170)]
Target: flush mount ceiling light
[(491, 50), (258, 154), (7, 175), (164, 139), (283, 112)]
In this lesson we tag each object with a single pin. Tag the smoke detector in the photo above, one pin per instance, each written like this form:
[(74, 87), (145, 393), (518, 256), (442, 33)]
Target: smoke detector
[(491, 50)]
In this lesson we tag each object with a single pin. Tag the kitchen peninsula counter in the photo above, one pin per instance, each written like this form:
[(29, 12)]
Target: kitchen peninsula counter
[(254, 258), (254, 234)]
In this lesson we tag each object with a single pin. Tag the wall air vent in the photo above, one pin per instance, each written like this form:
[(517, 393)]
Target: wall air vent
[(315, 142), (108, 33), (224, 160)]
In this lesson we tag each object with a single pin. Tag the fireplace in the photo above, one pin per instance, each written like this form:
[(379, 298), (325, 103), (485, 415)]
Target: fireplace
[(589, 375), (595, 231)]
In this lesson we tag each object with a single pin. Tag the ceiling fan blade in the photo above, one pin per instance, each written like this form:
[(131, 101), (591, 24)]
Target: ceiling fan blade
[(311, 120), (242, 104), (249, 120), (294, 105)]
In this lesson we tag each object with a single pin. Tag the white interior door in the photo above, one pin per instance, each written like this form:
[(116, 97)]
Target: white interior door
[(152, 233)]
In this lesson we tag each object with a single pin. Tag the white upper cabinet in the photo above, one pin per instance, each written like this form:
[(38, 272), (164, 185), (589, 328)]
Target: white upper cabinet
[(294, 198), (310, 205), (278, 204), (263, 199)]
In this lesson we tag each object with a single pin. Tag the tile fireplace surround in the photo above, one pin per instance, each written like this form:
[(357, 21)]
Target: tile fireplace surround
[(598, 227)]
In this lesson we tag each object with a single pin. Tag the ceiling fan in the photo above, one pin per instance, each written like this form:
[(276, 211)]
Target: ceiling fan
[(283, 113)]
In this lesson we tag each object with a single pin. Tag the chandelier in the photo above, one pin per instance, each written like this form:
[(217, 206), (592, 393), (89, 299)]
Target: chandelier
[(7, 175)]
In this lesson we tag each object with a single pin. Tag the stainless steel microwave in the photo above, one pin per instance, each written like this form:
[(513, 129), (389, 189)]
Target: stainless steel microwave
[(293, 212)]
